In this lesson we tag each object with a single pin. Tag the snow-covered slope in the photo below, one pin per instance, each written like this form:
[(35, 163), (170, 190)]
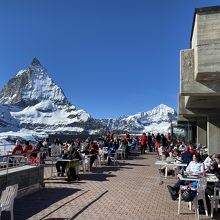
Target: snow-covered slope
[(7, 122), (156, 120), (49, 117)]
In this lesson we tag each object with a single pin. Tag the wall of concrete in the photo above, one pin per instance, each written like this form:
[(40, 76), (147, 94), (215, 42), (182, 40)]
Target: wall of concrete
[(213, 134), (207, 46), (202, 131), (29, 179), (194, 35), (189, 86)]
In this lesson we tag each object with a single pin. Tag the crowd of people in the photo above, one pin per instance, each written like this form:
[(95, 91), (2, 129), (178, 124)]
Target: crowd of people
[(31, 152), (198, 163), (146, 142), (195, 156)]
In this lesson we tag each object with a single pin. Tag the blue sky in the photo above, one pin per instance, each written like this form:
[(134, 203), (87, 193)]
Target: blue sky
[(110, 57)]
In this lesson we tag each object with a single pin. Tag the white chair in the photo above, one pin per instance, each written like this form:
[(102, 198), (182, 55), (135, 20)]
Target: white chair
[(7, 199), (85, 162), (121, 151), (200, 194), (16, 160), (113, 158), (215, 200), (97, 161), (55, 152), (100, 157)]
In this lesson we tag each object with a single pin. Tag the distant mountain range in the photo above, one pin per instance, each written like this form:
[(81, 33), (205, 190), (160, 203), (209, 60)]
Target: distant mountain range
[(32, 101), (156, 120)]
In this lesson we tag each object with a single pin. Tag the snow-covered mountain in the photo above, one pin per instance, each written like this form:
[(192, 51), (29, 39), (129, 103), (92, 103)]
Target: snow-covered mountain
[(156, 120), (31, 104), (31, 86), (31, 100)]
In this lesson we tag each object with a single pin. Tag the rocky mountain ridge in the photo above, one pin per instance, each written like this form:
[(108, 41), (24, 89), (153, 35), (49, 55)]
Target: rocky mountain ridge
[(32, 101)]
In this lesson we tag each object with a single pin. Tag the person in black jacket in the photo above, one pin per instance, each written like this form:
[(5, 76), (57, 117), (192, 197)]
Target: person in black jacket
[(62, 164)]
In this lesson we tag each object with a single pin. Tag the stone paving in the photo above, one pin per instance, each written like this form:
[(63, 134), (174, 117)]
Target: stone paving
[(129, 190)]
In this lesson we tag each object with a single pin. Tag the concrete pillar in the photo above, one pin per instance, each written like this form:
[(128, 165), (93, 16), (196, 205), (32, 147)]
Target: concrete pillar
[(213, 134), (201, 131)]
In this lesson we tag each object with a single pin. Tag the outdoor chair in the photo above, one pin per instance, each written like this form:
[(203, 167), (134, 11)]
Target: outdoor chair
[(200, 194), (100, 158), (97, 162), (113, 158), (85, 162), (54, 154), (215, 200), (7, 199), (121, 151), (16, 161)]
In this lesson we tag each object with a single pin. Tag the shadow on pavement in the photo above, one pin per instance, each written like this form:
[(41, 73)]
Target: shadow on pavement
[(96, 176), (32, 204), (124, 165)]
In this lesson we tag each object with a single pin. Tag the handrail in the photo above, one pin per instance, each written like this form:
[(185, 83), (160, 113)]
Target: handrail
[(14, 164), (4, 145)]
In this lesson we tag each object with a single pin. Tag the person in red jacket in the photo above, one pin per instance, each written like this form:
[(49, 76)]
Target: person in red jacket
[(18, 149), (27, 148), (127, 136), (143, 141), (93, 150)]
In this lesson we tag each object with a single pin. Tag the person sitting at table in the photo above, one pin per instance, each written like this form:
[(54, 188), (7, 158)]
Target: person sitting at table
[(170, 170), (213, 168), (176, 152), (62, 164), (210, 159), (112, 151), (27, 148), (18, 149), (194, 167), (187, 156)]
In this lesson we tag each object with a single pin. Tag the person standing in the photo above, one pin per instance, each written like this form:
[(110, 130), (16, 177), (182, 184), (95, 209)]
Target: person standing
[(149, 142), (143, 143)]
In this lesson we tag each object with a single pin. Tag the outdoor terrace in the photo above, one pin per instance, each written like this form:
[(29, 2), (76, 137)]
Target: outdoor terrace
[(130, 190)]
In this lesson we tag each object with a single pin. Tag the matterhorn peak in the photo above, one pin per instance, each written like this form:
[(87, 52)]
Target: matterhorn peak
[(35, 62), (31, 86)]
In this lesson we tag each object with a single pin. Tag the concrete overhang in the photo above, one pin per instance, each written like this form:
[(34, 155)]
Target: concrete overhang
[(185, 120), (207, 56), (202, 102), (195, 112)]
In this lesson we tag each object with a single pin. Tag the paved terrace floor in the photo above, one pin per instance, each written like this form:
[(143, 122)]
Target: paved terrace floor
[(130, 190)]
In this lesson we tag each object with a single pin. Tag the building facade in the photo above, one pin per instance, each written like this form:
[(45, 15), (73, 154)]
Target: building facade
[(199, 97)]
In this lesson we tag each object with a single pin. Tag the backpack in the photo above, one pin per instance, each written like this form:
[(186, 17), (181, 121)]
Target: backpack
[(188, 195)]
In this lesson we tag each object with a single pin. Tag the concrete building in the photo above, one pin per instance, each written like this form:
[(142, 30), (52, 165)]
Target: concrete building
[(199, 97)]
